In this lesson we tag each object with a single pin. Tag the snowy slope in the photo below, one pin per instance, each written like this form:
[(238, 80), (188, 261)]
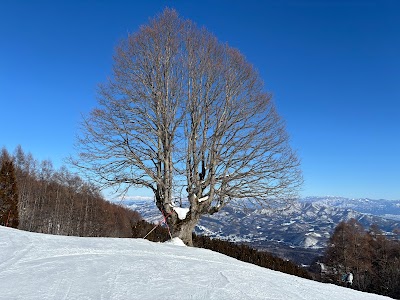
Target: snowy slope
[(37, 266)]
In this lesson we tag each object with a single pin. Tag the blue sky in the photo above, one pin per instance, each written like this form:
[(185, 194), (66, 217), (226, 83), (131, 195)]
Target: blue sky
[(332, 66)]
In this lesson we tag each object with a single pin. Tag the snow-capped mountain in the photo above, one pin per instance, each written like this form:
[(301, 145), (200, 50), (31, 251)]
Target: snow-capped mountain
[(299, 232), (389, 209), (38, 266)]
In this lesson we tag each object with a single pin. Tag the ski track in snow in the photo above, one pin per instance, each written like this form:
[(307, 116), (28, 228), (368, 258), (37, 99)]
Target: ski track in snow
[(38, 266)]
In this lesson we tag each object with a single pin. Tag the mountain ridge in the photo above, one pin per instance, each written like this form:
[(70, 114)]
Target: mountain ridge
[(299, 232)]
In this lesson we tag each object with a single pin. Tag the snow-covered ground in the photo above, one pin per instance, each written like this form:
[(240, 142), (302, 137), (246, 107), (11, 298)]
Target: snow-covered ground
[(38, 266)]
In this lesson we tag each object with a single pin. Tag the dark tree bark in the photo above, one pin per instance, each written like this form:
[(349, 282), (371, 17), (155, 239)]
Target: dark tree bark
[(8, 194)]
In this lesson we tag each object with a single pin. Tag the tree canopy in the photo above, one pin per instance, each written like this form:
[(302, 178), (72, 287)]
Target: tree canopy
[(187, 117)]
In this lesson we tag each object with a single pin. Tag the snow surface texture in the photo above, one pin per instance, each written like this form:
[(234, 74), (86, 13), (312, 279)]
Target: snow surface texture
[(38, 266)]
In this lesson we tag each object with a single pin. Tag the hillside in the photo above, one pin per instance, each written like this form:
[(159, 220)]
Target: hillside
[(298, 233), (389, 209), (38, 266)]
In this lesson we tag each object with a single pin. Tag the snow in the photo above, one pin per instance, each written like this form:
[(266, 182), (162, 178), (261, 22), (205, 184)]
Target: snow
[(38, 266), (310, 242), (289, 223), (182, 212), (202, 199), (176, 241)]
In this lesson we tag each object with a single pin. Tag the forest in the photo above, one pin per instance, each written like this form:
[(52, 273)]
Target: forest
[(58, 202), (369, 254)]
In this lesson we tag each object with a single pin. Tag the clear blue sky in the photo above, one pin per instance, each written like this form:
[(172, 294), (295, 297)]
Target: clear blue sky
[(333, 67)]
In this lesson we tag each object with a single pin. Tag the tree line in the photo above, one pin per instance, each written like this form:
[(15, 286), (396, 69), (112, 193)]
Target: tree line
[(372, 256), (59, 202)]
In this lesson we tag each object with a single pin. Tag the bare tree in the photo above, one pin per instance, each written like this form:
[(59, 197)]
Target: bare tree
[(187, 117)]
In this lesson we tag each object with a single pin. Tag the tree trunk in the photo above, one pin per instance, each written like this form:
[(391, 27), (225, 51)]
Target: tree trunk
[(183, 229)]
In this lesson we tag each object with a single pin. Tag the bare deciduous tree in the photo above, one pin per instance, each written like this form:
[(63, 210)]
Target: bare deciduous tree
[(186, 116)]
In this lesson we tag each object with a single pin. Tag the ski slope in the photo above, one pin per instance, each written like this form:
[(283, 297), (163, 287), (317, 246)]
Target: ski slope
[(38, 266)]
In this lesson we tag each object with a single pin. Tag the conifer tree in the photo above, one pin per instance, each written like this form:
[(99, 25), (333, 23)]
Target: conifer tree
[(8, 194)]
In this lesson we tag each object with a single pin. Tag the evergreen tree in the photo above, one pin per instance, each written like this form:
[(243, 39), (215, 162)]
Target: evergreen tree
[(8, 194)]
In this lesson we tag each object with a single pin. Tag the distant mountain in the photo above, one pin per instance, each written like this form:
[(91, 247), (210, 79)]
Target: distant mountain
[(299, 232), (389, 209)]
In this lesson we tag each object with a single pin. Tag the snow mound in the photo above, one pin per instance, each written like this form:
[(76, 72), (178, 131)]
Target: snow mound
[(36, 266), (181, 212), (175, 241)]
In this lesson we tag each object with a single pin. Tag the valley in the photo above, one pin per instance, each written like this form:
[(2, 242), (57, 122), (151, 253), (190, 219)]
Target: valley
[(298, 232)]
